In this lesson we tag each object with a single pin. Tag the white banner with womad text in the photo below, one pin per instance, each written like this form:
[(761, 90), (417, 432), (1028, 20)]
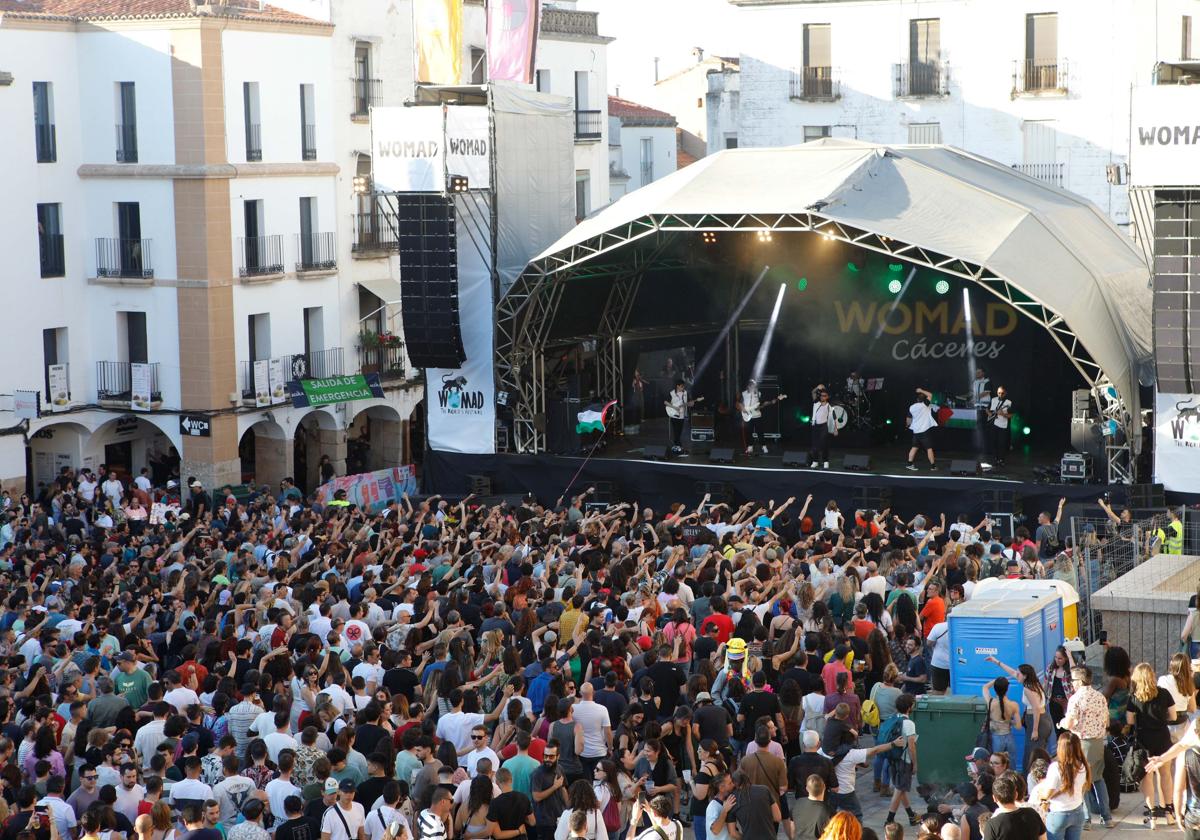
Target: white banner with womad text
[(1177, 442), (1164, 137), (60, 391), (462, 402), (413, 149), (140, 380)]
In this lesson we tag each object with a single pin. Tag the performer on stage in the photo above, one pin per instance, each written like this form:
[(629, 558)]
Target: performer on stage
[(677, 412), (750, 405), (856, 386), (823, 425), (998, 414), (921, 421), (979, 399)]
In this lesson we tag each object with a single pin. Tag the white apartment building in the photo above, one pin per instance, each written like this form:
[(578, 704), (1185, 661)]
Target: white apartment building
[(684, 92), (571, 60), (1044, 87), (642, 145)]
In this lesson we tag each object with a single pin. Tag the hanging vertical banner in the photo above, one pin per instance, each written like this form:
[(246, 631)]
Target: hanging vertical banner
[(512, 27), (437, 27), (60, 392), (1177, 442), (262, 383), (139, 386), (278, 381)]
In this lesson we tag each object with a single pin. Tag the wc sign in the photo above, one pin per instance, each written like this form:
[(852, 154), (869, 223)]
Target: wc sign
[(193, 425)]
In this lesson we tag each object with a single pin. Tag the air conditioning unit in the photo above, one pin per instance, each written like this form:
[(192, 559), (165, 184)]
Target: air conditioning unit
[(1117, 173)]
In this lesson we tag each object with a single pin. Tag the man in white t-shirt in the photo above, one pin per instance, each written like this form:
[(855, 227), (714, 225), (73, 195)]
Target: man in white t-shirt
[(87, 486), (480, 750), (597, 729), (455, 726), (921, 421), (178, 694), (939, 660), (345, 819), (113, 488), (904, 769)]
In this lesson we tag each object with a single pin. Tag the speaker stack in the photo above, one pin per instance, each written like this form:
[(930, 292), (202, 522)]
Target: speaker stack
[(428, 245)]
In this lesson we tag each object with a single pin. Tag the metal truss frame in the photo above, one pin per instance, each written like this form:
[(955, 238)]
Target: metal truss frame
[(526, 313)]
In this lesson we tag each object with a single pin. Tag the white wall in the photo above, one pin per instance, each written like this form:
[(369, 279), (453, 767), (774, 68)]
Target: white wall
[(722, 103), (1108, 44), (563, 59), (663, 142)]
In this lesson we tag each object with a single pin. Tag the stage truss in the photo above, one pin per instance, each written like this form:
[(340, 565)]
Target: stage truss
[(525, 314)]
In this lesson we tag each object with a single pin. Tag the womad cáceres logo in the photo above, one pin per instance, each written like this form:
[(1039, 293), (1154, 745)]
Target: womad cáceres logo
[(454, 398), (1185, 425)]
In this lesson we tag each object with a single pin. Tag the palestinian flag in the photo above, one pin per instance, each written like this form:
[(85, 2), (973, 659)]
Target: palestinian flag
[(593, 418)]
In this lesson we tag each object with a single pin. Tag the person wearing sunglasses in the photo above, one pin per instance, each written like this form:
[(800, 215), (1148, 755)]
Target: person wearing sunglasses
[(479, 749)]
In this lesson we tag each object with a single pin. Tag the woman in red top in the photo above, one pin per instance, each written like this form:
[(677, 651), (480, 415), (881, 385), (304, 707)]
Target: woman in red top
[(933, 610)]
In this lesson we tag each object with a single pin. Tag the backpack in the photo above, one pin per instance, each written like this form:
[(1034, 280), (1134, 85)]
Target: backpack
[(612, 815), (870, 713), (1133, 767), (890, 730)]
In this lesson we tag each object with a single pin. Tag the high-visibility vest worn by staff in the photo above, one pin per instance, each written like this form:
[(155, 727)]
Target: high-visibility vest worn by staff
[(1173, 542)]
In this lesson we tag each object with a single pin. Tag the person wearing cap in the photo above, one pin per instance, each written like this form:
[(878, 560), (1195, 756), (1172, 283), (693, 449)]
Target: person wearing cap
[(345, 819), (735, 669)]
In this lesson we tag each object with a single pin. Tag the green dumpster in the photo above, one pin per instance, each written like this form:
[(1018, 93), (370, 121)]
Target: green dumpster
[(946, 730)]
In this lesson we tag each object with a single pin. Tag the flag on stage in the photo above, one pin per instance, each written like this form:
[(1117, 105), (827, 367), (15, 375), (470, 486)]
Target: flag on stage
[(437, 27), (593, 418), (512, 27)]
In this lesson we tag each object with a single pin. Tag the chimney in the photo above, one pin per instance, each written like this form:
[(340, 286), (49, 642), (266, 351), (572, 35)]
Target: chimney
[(655, 69)]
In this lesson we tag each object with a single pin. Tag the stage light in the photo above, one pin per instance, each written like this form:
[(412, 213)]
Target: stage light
[(802, 284), (941, 287), (764, 236), (805, 419), (458, 183), (888, 421), (851, 267), (709, 237), (898, 268), (895, 286), (1025, 431), (362, 184)]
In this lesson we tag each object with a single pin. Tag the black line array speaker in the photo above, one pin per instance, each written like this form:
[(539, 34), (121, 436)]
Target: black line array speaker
[(721, 455), (428, 245)]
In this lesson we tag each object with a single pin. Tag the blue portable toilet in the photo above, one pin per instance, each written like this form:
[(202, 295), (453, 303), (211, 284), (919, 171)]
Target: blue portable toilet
[(1015, 631)]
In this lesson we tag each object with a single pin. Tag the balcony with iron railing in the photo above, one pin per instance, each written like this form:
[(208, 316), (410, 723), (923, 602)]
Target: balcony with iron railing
[(127, 147), (124, 258), (1050, 173), (316, 252), (46, 139), (315, 364), (570, 22), (387, 361), (813, 84), (253, 142), (587, 125), (366, 94), (52, 255), (260, 255), (308, 141), (114, 383), (1037, 78), (920, 79), (374, 234)]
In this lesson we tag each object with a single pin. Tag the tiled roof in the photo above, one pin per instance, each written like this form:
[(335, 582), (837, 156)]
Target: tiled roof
[(682, 156), (145, 10), (631, 113)]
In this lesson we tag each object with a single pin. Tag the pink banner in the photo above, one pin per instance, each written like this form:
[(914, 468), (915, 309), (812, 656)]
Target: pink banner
[(511, 38)]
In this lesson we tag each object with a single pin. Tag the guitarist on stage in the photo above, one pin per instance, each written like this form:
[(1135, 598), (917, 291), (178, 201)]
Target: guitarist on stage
[(751, 405), (677, 406)]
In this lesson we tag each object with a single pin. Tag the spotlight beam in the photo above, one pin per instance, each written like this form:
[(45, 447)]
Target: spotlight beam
[(712, 350), (760, 361)]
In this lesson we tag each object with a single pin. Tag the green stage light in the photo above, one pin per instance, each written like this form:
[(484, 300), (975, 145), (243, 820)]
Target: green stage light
[(896, 267), (1026, 430), (852, 267), (805, 419), (941, 287), (802, 284), (888, 421), (895, 286)]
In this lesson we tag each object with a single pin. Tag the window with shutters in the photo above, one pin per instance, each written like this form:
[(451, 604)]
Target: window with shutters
[(1041, 70)]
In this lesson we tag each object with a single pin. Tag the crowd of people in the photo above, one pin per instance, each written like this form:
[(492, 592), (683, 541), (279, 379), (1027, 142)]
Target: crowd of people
[(270, 666)]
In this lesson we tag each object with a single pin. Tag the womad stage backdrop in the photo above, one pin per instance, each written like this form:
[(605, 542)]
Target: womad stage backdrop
[(848, 319), (1177, 442)]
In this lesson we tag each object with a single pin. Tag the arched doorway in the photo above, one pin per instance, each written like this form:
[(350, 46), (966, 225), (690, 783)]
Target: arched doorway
[(265, 455), (317, 434), (51, 448), (126, 444), (375, 440), (416, 435)]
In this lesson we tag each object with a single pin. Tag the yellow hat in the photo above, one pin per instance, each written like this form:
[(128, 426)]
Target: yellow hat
[(736, 647)]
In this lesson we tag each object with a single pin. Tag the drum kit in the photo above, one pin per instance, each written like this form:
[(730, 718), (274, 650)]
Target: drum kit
[(852, 410)]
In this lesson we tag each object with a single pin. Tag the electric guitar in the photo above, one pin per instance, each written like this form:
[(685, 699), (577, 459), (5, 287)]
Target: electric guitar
[(680, 412), (991, 415), (748, 415)]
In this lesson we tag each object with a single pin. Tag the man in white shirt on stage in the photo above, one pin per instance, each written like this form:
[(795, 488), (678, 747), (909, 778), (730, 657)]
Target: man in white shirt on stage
[(999, 413), (823, 425), (921, 422)]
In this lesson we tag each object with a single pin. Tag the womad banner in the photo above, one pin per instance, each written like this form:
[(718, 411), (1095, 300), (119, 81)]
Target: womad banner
[(372, 491), (1177, 442), (415, 147)]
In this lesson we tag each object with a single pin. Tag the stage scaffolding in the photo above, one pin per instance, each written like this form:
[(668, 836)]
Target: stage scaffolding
[(525, 314)]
